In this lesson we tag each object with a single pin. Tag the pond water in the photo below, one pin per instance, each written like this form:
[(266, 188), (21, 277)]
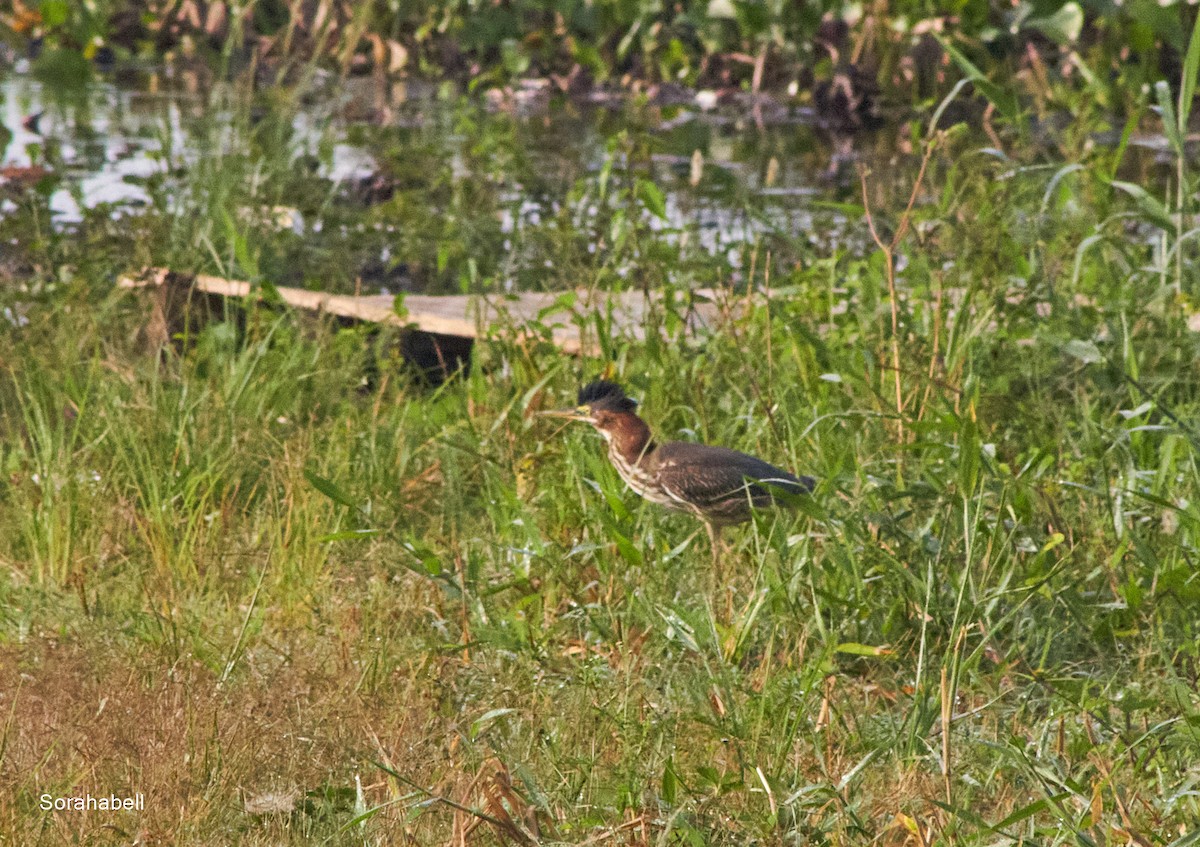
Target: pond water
[(514, 168), (110, 140), (411, 187)]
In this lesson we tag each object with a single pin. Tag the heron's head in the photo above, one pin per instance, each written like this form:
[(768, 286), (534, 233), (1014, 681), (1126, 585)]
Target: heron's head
[(603, 404)]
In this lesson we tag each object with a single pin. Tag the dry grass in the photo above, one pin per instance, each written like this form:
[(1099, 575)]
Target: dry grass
[(84, 717), (272, 755)]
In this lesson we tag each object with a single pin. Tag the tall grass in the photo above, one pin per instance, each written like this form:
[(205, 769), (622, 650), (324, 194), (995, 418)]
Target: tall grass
[(237, 571)]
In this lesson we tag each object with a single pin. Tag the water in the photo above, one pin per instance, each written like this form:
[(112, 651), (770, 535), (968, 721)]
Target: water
[(406, 188), (104, 140), (111, 140)]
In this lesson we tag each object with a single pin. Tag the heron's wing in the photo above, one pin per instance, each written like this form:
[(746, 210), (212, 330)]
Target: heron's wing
[(705, 476)]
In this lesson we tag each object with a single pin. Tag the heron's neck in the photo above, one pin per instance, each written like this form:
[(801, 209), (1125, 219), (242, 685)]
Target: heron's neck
[(631, 440)]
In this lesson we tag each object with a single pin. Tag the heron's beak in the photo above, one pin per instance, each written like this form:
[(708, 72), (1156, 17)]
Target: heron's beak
[(580, 414)]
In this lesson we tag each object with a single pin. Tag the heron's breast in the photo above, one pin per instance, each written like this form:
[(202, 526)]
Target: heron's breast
[(644, 481)]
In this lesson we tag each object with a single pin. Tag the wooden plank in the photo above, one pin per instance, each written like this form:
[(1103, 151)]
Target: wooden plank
[(476, 316)]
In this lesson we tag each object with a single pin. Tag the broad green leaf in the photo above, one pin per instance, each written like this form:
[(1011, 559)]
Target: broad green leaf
[(653, 198), (1062, 26), (63, 67), (564, 302)]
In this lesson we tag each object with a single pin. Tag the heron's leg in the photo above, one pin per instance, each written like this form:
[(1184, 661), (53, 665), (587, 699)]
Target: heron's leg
[(718, 550), (714, 541)]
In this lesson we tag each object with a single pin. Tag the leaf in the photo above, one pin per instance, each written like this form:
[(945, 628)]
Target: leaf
[(1052, 185), (269, 293), (347, 535), (54, 12), (1083, 247), (62, 67), (1150, 206), (670, 783), (969, 448), (1026, 812), (430, 564), (721, 9), (1085, 351), (851, 774), (652, 198), (678, 629), (240, 244), (330, 489), (605, 172), (628, 551), (854, 211), (481, 723), (1135, 413), (1001, 98), (908, 823), (564, 302), (946, 101), (1191, 69), (855, 649), (1192, 837), (1052, 542), (1063, 26), (1162, 93)]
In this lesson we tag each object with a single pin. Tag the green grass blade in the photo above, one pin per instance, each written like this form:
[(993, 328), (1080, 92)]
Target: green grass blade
[(1187, 86)]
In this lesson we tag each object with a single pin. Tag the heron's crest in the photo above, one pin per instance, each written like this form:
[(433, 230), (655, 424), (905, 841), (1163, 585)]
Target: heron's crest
[(602, 394)]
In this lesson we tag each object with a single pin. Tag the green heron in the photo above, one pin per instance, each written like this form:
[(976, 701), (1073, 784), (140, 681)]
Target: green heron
[(718, 485)]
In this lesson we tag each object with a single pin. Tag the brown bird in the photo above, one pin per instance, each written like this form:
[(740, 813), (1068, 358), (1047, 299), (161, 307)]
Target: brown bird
[(718, 485)]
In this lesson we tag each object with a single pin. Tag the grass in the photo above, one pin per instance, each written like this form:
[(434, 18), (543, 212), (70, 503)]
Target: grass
[(289, 606)]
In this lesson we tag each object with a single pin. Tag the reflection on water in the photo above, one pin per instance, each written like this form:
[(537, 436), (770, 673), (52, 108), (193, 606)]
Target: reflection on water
[(110, 141), (103, 140), (407, 189)]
